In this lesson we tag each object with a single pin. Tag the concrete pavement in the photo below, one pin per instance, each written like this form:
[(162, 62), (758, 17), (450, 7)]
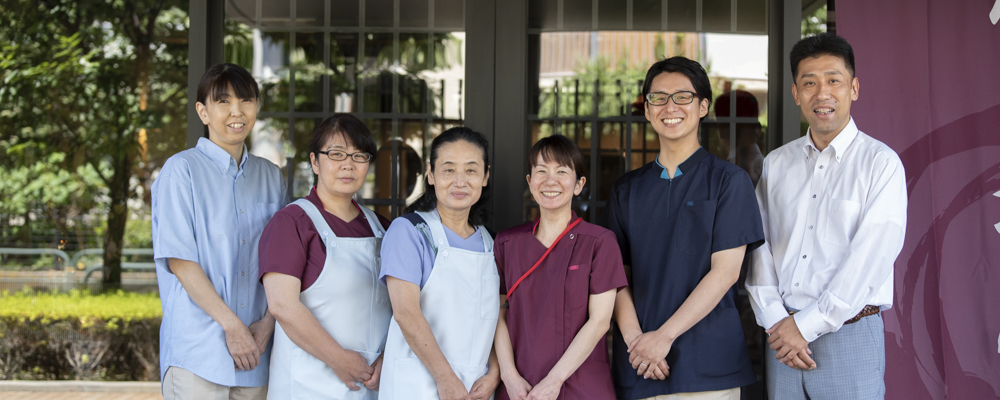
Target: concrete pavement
[(79, 390)]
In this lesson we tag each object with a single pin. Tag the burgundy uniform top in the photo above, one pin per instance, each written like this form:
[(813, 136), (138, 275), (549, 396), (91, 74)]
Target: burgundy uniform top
[(549, 307), (291, 245)]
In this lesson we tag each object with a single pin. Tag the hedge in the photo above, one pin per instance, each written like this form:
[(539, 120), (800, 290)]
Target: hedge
[(79, 335)]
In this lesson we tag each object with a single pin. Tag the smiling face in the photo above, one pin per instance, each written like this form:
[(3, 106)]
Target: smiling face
[(553, 185), (672, 122), (229, 118), (824, 90), (338, 179), (458, 175)]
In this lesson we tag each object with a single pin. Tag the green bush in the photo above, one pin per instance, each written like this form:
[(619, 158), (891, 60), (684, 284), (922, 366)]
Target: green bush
[(79, 335)]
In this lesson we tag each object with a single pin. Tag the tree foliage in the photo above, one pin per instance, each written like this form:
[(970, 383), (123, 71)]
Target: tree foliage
[(84, 87)]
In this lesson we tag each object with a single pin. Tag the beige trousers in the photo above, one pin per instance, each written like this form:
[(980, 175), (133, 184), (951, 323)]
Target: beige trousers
[(728, 394), (181, 384)]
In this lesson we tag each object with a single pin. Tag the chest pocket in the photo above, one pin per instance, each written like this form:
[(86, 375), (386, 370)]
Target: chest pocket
[(841, 222), (577, 276), (695, 221)]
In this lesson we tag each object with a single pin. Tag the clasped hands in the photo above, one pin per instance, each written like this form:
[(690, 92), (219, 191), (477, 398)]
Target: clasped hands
[(789, 345), (648, 355)]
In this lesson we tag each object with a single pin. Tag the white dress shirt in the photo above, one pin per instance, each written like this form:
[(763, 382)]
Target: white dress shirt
[(834, 222)]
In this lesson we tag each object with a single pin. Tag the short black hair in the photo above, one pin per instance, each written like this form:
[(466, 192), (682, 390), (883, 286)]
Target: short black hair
[(218, 78), (690, 68), (560, 149), (354, 131), (820, 45), (480, 212)]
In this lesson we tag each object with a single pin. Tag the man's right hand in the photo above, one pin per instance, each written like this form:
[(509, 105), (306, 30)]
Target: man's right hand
[(242, 347), (803, 360), (352, 368), (452, 389)]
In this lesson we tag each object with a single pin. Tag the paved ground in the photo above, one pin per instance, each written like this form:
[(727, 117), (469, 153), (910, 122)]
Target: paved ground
[(78, 396), (79, 390)]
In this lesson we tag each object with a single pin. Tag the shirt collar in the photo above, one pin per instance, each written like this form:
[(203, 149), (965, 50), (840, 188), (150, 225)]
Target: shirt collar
[(687, 165), (220, 157), (839, 144)]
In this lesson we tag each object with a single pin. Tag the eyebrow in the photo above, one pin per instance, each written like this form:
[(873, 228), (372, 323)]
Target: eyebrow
[(830, 72)]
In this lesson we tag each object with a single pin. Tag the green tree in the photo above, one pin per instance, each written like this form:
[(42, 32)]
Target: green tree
[(84, 84)]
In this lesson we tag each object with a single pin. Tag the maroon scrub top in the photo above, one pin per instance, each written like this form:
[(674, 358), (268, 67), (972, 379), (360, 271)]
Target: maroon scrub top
[(549, 307), (291, 245)]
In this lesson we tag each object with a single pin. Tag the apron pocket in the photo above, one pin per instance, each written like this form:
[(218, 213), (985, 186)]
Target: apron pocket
[(412, 381)]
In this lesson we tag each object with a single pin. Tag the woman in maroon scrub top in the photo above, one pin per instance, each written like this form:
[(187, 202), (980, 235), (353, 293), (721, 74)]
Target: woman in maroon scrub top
[(558, 276)]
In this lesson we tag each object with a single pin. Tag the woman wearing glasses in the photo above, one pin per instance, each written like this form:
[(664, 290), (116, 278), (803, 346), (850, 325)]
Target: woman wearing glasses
[(320, 267)]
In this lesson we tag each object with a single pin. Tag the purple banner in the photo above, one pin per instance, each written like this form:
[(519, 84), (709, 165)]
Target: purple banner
[(929, 75)]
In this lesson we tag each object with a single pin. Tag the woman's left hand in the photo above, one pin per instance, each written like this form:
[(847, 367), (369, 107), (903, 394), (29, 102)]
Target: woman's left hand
[(372, 383), (547, 389), (485, 386)]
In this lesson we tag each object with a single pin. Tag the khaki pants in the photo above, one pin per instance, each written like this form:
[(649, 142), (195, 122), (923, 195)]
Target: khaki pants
[(181, 384), (728, 394)]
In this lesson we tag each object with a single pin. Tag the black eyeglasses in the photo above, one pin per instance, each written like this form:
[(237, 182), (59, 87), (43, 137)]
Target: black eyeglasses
[(680, 98), (337, 155)]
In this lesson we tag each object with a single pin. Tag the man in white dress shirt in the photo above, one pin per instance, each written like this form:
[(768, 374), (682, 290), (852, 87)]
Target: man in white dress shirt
[(833, 205)]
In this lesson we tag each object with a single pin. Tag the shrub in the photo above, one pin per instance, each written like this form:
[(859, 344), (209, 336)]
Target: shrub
[(79, 335)]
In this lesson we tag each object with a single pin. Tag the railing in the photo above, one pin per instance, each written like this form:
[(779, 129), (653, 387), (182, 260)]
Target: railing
[(39, 252), (65, 260)]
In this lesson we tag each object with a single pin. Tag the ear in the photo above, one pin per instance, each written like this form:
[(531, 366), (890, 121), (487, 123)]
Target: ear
[(430, 174), (486, 178), (528, 178), (645, 106), (579, 185), (855, 89), (703, 108), (795, 94), (314, 162), (202, 112)]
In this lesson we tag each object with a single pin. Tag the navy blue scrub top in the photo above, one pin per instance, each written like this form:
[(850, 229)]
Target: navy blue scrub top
[(667, 230)]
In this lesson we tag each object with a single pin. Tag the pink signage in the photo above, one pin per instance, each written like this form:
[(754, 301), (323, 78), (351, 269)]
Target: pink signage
[(929, 75)]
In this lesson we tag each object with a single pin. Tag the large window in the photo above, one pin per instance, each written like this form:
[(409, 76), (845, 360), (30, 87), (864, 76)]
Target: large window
[(396, 64)]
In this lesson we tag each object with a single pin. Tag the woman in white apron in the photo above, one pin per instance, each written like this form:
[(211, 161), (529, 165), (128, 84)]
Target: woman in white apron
[(438, 265), (320, 268)]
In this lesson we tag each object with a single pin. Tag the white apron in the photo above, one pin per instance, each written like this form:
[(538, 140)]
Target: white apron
[(461, 302), (349, 302)]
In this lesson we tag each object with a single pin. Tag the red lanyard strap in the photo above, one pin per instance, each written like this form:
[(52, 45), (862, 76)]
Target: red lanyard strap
[(539, 262)]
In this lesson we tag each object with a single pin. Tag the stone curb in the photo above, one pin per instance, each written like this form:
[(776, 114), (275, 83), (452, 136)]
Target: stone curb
[(79, 386)]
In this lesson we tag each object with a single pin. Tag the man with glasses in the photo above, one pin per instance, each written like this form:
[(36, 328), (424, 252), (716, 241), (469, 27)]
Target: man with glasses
[(684, 223), (834, 208)]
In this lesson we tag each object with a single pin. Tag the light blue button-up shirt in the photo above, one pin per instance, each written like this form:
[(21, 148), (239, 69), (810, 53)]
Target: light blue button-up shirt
[(208, 210)]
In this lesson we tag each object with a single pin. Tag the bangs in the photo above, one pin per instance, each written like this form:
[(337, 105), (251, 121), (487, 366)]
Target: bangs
[(560, 150), (219, 78)]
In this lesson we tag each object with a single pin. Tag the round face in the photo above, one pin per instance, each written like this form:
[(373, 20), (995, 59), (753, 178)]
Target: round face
[(458, 176), (229, 119), (672, 122), (340, 179), (824, 90), (553, 185)]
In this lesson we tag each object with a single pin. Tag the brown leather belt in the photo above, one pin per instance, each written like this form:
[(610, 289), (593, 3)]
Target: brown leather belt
[(869, 310)]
